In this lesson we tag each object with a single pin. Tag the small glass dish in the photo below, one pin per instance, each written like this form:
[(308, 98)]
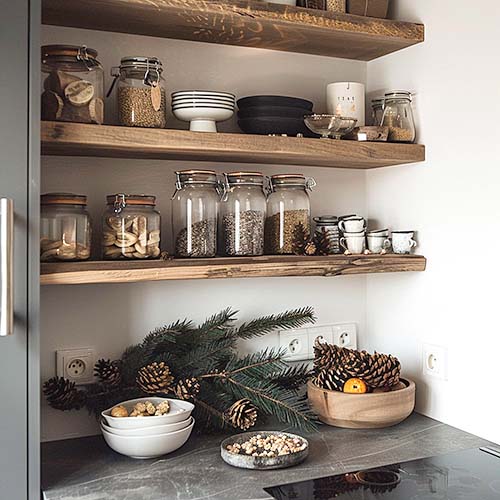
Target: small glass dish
[(330, 125)]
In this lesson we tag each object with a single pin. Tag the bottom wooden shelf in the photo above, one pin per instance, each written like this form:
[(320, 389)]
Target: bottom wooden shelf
[(76, 273)]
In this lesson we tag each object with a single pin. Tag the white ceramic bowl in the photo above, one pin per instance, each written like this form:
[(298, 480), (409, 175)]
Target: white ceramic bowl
[(202, 104), (179, 411), (192, 93), (149, 431), (203, 119), (143, 447), (204, 98)]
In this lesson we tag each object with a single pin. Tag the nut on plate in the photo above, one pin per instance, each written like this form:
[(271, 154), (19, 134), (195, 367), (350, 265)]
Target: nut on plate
[(163, 408), (119, 411)]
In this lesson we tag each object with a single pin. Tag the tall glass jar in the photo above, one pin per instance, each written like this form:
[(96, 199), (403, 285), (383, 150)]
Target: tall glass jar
[(288, 207), (65, 227), (243, 214), (377, 111), (398, 116), (194, 213), (73, 84), (130, 227), (141, 94)]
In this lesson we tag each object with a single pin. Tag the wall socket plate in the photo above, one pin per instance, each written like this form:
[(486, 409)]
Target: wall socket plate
[(76, 365), (435, 361)]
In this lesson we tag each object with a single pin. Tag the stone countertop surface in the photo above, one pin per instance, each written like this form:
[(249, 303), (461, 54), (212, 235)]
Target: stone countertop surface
[(86, 469)]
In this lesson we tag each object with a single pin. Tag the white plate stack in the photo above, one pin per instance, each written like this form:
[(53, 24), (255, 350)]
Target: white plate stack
[(148, 437), (203, 108)]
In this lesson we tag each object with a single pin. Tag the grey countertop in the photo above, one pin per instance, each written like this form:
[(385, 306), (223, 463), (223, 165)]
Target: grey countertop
[(86, 469)]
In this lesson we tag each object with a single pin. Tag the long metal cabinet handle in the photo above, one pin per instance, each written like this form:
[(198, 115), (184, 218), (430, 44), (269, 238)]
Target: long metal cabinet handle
[(6, 266)]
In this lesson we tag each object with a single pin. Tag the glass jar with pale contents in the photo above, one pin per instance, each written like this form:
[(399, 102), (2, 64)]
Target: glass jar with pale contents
[(398, 116), (65, 227), (288, 212), (130, 227)]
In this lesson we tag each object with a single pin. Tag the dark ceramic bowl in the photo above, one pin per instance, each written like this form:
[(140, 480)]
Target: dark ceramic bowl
[(265, 125), (279, 111), (275, 100)]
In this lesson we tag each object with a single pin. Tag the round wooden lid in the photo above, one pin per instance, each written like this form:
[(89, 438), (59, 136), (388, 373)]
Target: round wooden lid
[(67, 51), (63, 199), (131, 199)]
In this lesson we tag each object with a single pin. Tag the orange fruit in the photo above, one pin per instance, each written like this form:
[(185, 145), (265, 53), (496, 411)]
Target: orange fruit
[(355, 386)]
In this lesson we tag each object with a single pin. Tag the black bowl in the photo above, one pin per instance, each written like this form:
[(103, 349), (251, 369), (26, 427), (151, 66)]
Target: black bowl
[(274, 100), (281, 111), (265, 125)]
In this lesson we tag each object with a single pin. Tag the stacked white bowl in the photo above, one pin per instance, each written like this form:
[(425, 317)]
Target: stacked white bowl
[(148, 437), (203, 108)]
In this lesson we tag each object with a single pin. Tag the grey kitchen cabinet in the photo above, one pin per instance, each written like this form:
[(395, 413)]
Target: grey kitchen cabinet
[(19, 280)]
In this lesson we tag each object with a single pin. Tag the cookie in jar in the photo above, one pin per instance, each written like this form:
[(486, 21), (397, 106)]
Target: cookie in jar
[(130, 227)]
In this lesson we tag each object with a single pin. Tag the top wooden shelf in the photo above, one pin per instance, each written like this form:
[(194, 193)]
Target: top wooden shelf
[(248, 23)]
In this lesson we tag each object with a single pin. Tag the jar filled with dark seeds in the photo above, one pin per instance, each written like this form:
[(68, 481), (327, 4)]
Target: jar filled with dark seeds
[(194, 213), (243, 214)]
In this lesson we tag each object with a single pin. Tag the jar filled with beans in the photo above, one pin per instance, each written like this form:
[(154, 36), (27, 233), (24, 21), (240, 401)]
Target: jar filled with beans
[(130, 227)]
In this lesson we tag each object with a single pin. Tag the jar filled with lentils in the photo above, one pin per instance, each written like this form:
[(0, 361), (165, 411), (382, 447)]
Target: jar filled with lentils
[(288, 207), (195, 206), (65, 227), (243, 214), (141, 92), (130, 227)]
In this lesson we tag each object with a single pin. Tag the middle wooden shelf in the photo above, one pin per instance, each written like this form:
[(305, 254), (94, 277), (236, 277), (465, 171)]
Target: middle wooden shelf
[(77, 139)]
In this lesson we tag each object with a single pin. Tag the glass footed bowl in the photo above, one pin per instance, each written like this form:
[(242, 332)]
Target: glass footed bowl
[(330, 125)]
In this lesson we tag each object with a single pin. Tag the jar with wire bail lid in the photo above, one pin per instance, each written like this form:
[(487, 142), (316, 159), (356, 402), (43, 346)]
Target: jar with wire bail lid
[(65, 227), (195, 205), (141, 97), (398, 116), (130, 227), (243, 213), (73, 84), (288, 210)]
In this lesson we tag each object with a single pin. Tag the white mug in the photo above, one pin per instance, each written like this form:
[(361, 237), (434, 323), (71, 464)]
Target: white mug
[(377, 244), (347, 99), (353, 244), (352, 225), (403, 242)]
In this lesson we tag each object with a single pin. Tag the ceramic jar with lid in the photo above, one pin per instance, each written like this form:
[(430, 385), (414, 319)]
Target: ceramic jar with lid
[(327, 230), (141, 94), (398, 116), (73, 84), (288, 206), (65, 227), (130, 227), (195, 205), (243, 214)]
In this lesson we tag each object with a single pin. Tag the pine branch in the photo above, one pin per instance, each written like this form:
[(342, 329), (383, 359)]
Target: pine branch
[(258, 365), (207, 357), (293, 377), (217, 325)]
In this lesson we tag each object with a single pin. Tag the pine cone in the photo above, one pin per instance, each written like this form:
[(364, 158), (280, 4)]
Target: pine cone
[(155, 378), (187, 388), (108, 372), (62, 394), (323, 242), (383, 370), (300, 239), (327, 356), (332, 379), (242, 414)]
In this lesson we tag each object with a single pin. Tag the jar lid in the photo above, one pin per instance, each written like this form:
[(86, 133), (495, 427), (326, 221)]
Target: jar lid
[(63, 199), (292, 180), (78, 51), (398, 94), (378, 101), (141, 62), (245, 178), (131, 199), (196, 177)]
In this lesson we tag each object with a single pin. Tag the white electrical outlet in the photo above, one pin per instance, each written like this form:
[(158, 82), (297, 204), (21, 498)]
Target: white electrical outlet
[(296, 343), (435, 361), (345, 335), (76, 365)]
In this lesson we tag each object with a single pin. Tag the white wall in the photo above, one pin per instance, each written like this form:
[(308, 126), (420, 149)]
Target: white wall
[(452, 201), (111, 317)]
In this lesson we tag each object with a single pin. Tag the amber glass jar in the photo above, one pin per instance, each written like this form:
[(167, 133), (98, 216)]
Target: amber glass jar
[(130, 227)]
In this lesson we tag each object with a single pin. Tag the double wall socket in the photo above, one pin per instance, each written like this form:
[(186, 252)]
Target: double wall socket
[(300, 343), (76, 365)]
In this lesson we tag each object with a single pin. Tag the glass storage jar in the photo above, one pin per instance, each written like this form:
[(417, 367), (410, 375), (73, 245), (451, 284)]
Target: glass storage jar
[(65, 227), (377, 111), (288, 206), (398, 116), (195, 206), (130, 227), (141, 96), (243, 214), (73, 84)]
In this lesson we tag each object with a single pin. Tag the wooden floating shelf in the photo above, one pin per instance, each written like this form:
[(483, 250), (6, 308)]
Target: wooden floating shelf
[(78, 273), (77, 139), (240, 22)]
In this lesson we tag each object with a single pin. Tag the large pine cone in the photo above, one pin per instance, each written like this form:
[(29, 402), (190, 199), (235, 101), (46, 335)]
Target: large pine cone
[(187, 388), (331, 379), (155, 378), (327, 356), (62, 394), (108, 372), (383, 370), (242, 414)]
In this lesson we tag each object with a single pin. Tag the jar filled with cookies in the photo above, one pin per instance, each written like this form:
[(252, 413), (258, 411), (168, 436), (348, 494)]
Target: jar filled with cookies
[(131, 227), (65, 227)]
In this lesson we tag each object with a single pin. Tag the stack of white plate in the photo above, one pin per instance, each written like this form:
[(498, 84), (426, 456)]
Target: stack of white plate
[(203, 108), (148, 437)]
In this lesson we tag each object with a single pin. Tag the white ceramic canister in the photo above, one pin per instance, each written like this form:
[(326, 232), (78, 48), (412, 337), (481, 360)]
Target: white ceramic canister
[(347, 99)]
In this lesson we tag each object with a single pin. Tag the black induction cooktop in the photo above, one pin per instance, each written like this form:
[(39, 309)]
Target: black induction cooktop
[(465, 475)]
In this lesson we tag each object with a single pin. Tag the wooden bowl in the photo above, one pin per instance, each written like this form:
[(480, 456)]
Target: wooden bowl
[(362, 411)]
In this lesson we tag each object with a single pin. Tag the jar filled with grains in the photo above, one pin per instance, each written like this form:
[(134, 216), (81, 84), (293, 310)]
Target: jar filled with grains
[(243, 213), (288, 206), (398, 116), (130, 227), (195, 206), (141, 92), (65, 227)]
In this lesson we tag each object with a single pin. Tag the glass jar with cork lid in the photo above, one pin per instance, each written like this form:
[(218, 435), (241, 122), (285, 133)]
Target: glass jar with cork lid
[(288, 208), (141, 94), (130, 227), (65, 227), (398, 116)]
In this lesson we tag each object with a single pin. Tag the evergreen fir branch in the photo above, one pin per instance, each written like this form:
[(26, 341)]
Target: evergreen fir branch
[(207, 357), (283, 321), (167, 337), (293, 377), (258, 365), (132, 360), (217, 325)]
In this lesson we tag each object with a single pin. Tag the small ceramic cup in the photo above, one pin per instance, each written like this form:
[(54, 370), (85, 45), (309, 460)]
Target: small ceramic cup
[(354, 244), (378, 232), (354, 225), (403, 242), (378, 244)]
